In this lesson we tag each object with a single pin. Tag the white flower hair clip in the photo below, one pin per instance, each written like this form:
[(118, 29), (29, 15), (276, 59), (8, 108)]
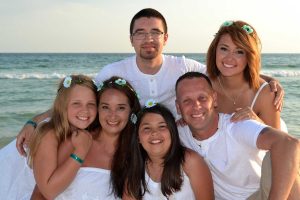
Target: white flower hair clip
[(150, 103), (133, 118), (99, 85), (120, 81), (67, 81)]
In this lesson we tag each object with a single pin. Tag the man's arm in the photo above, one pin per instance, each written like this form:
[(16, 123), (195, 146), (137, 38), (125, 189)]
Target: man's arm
[(277, 88), (24, 135), (285, 159)]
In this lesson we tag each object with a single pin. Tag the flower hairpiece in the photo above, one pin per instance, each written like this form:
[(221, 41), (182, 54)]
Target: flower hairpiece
[(99, 85), (150, 103), (227, 23), (120, 81), (133, 118), (247, 28), (67, 81)]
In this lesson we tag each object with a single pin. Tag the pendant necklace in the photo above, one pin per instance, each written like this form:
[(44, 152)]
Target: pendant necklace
[(234, 100)]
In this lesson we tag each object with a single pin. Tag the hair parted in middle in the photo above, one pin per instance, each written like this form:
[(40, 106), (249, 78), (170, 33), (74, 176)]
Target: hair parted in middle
[(122, 153), (171, 179)]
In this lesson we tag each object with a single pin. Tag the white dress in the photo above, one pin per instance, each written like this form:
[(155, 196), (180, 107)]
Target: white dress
[(17, 180), (89, 184)]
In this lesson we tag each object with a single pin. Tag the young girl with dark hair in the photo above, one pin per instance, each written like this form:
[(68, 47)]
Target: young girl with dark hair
[(160, 167)]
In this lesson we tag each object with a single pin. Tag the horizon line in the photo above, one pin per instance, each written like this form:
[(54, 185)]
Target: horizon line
[(124, 53)]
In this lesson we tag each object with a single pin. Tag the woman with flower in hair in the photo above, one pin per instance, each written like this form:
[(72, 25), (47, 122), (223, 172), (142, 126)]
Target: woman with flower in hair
[(70, 162), (233, 65), (160, 167)]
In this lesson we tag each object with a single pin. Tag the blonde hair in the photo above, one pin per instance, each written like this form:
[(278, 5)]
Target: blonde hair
[(249, 42), (59, 119)]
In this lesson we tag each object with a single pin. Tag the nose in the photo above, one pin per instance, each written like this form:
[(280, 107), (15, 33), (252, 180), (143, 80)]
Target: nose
[(197, 104), (85, 109), (154, 131), (148, 36), (112, 113), (230, 55)]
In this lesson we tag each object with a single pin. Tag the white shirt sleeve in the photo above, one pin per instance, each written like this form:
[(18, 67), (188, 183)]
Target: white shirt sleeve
[(103, 74), (193, 65), (247, 131)]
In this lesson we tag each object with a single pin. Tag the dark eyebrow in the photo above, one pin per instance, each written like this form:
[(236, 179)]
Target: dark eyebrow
[(137, 30), (156, 29)]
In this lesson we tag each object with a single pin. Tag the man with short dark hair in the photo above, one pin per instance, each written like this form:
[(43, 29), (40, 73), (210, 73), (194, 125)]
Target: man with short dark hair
[(234, 151)]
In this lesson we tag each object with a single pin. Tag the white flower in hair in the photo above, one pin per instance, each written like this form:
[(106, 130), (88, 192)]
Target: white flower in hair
[(133, 118), (120, 81), (150, 103), (67, 81), (99, 85)]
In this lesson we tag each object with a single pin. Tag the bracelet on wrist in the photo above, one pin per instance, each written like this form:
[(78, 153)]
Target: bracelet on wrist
[(32, 123), (75, 157)]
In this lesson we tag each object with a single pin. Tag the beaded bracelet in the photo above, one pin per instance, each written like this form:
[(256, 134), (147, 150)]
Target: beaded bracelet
[(79, 160), (34, 124)]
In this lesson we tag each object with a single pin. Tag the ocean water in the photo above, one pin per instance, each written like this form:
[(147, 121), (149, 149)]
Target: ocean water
[(28, 83)]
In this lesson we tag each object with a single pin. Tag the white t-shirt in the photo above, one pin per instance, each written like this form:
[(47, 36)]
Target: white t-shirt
[(232, 156), (160, 86), (185, 193)]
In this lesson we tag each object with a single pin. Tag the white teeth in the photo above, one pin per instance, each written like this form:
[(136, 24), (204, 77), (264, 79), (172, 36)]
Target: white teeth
[(197, 115), (82, 118), (155, 141), (112, 123), (228, 66)]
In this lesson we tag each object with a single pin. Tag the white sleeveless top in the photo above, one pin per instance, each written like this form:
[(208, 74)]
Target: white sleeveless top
[(186, 192), (283, 125), (89, 184)]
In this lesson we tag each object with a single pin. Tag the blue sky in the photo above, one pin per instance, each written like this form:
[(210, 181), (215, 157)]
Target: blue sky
[(103, 25)]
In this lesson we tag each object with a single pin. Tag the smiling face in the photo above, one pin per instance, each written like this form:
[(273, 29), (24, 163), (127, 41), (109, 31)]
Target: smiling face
[(82, 107), (114, 110), (230, 59), (196, 103), (154, 135), (148, 48)]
